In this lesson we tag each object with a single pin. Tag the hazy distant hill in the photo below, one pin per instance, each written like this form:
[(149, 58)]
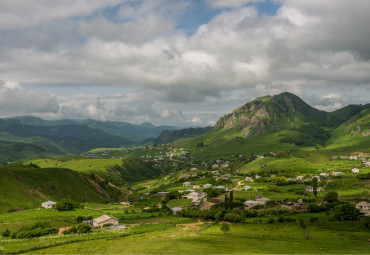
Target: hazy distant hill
[(132, 132), (169, 136), (28, 136)]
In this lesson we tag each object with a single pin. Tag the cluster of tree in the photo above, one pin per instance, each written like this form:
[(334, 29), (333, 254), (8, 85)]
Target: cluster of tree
[(81, 228), (35, 230), (212, 192), (67, 205)]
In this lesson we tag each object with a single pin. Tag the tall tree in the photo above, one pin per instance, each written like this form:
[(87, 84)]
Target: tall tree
[(231, 200), (315, 183)]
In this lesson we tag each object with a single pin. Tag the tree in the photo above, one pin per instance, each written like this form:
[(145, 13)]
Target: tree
[(227, 206), (231, 200), (80, 219), (345, 212), (314, 185), (225, 228), (331, 197)]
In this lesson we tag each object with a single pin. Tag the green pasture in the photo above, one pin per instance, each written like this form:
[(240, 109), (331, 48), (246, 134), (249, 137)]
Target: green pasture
[(80, 165), (241, 239)]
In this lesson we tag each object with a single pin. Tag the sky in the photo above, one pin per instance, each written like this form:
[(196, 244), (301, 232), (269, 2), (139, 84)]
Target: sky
[(178, 62)]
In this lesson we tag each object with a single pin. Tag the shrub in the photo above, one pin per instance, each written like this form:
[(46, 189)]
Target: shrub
[(314, 208), (281, 219), (314, 219), (225, 228), (287, 219), (232, 217), (36, 230), (6, 232), (271, 221), (83, 228)]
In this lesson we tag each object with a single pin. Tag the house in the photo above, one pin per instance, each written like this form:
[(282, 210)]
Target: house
[(300, 178), (208, 185), (250, 204), (190, 195), (193, 195), (125, 203), (196, 187), (309, 189), (249, 179), (190, 190), (246, 188), (317, 177), (48, 204), (176, 210), (336, 173), (355, 170), (162, 193), (364, 207), (196, 201), (323, 174), (105, 219), (220, 187), (262, 200), (186, 184)]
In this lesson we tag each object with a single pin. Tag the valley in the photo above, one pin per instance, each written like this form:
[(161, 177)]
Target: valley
[(274, 176)]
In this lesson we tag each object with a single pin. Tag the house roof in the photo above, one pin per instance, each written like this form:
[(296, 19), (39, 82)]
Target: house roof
[(103, 218), (364, 203), (176, 209), (48, 203)]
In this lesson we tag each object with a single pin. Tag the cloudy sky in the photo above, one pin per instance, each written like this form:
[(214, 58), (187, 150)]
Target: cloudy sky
[(178, 62)]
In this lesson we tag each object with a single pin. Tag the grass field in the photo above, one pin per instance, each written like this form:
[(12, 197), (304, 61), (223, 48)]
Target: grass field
[(242, 239), (80, 165)]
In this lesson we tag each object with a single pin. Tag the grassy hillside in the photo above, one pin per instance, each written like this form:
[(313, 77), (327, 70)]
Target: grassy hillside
[(11, 151), (226, 143), (25, 187), (283, 123), (353, 134), (76, 164), (169, 136)]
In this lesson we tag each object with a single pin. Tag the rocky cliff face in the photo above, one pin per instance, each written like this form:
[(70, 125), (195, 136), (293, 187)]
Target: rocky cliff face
[(256, 116)]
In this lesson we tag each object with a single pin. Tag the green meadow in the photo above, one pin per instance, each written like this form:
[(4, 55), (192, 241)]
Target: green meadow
[(241, 239), (80, 165)]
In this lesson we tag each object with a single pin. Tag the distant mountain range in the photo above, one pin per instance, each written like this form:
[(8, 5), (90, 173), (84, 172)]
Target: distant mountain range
[(280, 122), (28, 136)]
